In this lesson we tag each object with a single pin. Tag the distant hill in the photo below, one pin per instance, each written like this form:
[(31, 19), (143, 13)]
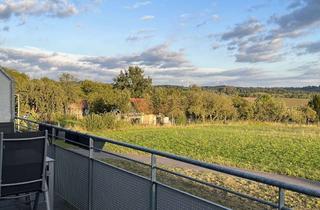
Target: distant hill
[(285, 92)]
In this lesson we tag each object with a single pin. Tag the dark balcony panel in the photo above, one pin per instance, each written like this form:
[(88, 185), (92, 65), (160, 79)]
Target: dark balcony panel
[(72, 177), (7, 127), (117, 189)]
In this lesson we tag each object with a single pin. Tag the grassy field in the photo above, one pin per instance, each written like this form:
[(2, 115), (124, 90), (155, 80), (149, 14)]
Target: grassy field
[(285, 149)]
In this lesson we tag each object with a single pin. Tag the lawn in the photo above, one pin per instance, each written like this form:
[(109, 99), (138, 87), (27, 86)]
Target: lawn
[(286, 149)]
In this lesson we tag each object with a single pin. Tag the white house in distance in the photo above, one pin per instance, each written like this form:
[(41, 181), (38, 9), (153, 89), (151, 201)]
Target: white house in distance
[(7, 107)]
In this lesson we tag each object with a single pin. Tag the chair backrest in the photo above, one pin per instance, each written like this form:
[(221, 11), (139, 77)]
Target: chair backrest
[(7, 127), (22, 162)]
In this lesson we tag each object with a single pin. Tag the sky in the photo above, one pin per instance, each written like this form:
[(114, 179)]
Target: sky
[(265, 43)]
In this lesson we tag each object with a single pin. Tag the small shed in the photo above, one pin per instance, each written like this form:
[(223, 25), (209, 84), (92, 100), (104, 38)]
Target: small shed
[(7, 100)]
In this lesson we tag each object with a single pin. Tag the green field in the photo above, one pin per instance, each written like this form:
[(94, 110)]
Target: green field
[(285, 149)]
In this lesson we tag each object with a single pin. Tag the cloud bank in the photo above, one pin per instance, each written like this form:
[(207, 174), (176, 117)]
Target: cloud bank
[(253, 41), (23, 8), (160, 62)]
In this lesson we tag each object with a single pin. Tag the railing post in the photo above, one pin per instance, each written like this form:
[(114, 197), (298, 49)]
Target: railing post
[(53, 136), (281, 201), (90, 173), (29, 126), (1, 156), (153, 180)]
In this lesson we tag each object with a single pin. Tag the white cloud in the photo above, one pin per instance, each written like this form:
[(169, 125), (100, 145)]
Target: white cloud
[(243, 30), (141, 35), (162, 64), (6, 28), (147, 17), (303, 18), (259, 51), (139, 4), (253, 42), (215, 17), (24, 8), (309, 47)]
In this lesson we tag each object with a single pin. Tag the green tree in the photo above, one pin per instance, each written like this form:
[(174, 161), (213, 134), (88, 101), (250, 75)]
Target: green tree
[(268, 108), (244, 108), (314, 103), (196, 104), (69, 84), (170, 102), (218, 107), (45, 98), (103, 98), (133, 80)]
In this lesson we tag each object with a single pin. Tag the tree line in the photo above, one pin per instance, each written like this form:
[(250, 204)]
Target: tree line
[(48, 100)]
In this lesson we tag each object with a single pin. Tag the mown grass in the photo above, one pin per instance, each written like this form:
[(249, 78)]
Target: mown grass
[(285, 149)]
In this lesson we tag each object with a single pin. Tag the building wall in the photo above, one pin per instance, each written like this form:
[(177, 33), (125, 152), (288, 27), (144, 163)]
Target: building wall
[(5, 99), (149, 119)]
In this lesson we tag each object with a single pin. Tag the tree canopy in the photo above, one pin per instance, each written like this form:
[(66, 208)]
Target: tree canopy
[(133, 80), (48, 99)]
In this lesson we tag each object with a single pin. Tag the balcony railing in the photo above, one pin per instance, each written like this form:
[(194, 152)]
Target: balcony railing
[(88, 175)]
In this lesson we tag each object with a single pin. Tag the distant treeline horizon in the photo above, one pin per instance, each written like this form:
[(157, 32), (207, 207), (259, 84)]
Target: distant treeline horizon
[(50, 100)]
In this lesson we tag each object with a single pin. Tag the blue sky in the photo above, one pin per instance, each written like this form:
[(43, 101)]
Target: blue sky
[(204, 42)]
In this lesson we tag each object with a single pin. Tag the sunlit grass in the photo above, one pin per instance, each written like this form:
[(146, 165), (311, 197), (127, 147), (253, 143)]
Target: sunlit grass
[(285, 149)]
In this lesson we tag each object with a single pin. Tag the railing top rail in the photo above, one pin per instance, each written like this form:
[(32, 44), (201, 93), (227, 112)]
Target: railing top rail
[(215, 167)]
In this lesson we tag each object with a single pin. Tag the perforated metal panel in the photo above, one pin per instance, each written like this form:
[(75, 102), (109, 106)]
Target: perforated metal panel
[(170, 199), (114, 189), (71, 177), (50, 151)]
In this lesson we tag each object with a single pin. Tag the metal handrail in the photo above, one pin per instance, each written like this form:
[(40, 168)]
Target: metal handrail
[(215, 167)]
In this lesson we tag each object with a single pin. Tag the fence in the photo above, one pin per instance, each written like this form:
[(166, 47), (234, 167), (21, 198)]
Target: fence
[(88, 182)]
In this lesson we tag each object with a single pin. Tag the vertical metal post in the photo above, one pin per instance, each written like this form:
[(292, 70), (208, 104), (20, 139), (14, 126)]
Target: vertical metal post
[(52, 165), (18, 111), (50, 175), (281, 201), (29, 126), (53, 146), (153, 180), (90, 174), (45, 188), (1, 155), (53, 136)]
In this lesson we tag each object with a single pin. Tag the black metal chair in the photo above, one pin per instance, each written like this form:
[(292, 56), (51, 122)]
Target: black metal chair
[(23, 166), (7, 127)]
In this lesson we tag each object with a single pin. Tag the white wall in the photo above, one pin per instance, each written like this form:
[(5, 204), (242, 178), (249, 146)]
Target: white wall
[(5, 99)]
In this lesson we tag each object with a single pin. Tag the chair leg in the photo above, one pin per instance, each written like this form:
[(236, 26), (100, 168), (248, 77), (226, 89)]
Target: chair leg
[(36, 201), (46, 194), (29, 201)]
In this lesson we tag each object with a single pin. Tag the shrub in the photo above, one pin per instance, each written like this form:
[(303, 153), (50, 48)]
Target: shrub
[(310, 115), (296, 115), (99, 122), (180, 119), (244, 108)]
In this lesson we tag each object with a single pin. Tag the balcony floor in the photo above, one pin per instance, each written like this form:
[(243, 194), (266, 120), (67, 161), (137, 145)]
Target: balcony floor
[(18, 204)]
